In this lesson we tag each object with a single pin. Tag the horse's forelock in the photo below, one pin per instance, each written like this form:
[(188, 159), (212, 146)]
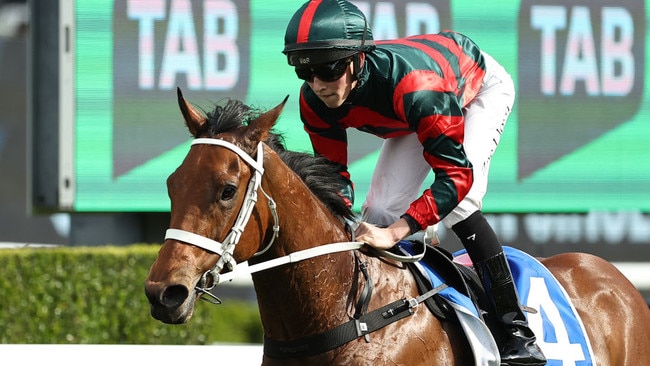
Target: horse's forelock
[(229, 116)]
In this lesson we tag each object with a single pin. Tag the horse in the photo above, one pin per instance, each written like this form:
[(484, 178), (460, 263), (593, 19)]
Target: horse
[(218, 221)]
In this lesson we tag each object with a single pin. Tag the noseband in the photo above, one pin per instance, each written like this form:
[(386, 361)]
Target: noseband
[(226, 248)]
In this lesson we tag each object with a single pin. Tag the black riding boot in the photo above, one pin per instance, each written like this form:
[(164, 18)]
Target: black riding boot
[(516, 341), (517, 346)]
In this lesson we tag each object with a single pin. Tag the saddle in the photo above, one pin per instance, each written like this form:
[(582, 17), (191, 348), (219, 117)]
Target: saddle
[(458, 276), (551, 315)]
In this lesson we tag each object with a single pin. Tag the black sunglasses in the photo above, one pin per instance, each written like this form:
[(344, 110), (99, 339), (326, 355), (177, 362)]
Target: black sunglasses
[(326, 72)]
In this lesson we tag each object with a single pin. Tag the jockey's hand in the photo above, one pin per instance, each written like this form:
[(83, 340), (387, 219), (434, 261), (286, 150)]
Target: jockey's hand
[(382, 238)]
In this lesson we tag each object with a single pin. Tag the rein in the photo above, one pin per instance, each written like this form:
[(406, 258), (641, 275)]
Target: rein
[(225, 249)]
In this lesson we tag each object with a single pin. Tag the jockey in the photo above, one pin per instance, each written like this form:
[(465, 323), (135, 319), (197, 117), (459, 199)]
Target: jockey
[(440, 103)]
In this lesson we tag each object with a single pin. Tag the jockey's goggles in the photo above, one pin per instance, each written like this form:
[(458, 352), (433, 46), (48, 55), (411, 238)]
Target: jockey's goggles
[(326, 72)]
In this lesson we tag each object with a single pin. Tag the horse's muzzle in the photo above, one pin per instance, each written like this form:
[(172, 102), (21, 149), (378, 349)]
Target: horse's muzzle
[(172, 304)]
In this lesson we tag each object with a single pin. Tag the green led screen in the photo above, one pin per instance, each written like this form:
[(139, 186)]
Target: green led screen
[(576, 141)]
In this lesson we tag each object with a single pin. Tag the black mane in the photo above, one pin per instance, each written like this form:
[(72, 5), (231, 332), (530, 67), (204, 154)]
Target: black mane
[(318, 173)]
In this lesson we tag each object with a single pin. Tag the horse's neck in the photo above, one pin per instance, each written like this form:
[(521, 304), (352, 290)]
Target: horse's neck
[(305, 221), (312, 295)]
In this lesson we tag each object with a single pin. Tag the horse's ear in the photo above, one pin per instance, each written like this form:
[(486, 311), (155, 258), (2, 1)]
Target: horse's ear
[(259, 128), (194, 120)]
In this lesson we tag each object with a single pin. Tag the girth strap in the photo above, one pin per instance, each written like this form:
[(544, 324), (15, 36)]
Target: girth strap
[(346, 332)]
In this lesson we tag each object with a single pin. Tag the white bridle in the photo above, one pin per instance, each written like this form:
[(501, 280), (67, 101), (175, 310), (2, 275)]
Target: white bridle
[(226, 248)]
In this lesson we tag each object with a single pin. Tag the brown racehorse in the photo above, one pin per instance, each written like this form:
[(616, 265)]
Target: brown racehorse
[(211, 188)]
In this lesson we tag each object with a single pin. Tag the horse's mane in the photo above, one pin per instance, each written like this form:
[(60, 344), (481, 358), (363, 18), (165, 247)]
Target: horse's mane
[(319, 174)]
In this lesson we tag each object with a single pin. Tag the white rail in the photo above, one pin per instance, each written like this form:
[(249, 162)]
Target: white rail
[(112, 355)]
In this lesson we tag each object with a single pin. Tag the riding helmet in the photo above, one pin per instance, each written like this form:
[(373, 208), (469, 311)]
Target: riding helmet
[(323, 31)]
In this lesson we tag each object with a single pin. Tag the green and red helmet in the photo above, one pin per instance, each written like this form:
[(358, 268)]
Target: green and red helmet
[(323, 31)]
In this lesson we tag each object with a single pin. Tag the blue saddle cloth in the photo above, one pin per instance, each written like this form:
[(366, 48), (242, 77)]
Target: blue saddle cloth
[(558, 327)]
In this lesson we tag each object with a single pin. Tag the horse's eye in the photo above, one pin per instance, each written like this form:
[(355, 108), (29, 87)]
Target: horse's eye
[(228, 193)]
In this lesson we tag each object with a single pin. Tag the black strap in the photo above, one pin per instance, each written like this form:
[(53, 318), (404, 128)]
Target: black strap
[(364, 300), (439, 308), (346, 332)]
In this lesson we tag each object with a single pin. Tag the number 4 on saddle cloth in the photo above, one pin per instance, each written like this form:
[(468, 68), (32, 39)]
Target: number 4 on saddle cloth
[(551, 315)]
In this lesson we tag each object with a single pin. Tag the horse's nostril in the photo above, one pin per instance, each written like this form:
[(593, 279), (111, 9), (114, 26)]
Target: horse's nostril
[(174, 296)]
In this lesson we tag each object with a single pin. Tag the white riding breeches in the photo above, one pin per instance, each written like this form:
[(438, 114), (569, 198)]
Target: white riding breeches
[(401, 169)]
